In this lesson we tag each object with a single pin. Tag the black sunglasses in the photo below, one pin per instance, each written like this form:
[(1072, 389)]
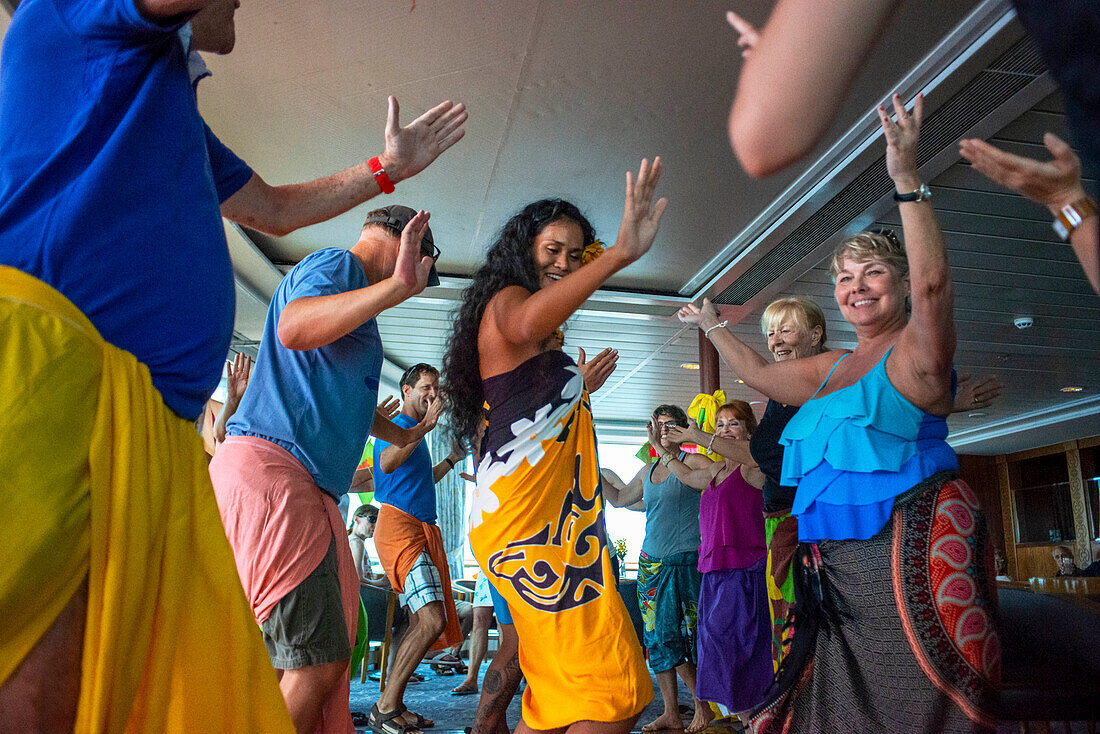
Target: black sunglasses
[(889, 234)]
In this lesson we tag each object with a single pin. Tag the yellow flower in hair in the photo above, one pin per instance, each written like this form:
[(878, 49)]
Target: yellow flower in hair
[(591, 252)]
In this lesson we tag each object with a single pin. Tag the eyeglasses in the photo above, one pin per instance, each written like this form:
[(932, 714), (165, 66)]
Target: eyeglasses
[(416, 369), (433, 253)]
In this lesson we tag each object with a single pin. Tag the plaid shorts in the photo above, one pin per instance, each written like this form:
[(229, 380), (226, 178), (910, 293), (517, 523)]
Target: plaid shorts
[(422, 585)]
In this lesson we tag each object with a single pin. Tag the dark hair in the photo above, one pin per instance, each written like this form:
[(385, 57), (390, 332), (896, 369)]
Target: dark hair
[(675, 412), (411, 376), (508, 262)]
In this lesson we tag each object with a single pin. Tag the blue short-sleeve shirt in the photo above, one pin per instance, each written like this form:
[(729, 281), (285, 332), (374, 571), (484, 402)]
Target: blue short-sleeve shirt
[(411, 486), (110, 185), (319, 403)]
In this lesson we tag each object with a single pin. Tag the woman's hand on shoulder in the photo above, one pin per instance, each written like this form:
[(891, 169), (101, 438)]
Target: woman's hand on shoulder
[(641, 216)]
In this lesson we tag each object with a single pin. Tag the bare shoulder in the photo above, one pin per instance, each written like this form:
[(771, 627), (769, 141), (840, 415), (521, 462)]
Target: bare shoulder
[(698, 461)]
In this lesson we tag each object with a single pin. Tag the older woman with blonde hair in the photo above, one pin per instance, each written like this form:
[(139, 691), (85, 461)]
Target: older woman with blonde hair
[(900, 630), (795, 328)]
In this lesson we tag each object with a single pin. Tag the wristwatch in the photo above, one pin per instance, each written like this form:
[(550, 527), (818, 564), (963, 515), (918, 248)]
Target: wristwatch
[(923, 193), (1070, 217)]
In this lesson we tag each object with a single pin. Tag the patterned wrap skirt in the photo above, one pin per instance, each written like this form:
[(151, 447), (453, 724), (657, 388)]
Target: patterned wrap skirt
[(668, 597), (781, 534), (899, 632)]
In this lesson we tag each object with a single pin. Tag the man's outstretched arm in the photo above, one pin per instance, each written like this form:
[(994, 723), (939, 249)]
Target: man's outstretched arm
[(279, 210)]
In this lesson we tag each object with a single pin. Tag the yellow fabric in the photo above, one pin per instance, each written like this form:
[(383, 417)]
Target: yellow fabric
[(537, 531), (107, 483), (703, 410)]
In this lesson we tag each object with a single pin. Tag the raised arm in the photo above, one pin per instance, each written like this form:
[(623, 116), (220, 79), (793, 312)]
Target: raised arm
[(695, 471), (393, 455), (921, 363), (791, 382), (450, 461), (624, 495), (524, 318), (395, 435), (1054, 184), (809, 50), (974, 394), (734, 449), (314, 321), (279, 210), (237, 374)]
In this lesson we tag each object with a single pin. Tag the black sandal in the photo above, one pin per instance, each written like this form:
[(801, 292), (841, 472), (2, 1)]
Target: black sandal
[(384, 723)]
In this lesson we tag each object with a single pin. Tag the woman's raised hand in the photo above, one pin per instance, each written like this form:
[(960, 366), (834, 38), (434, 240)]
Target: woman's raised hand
[(747, 35), (902, 135), (641, 216), (654, 432), (702, 316), (690, 434)]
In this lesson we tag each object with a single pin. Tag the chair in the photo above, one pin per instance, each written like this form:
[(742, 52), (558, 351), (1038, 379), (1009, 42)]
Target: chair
[(1049, 664), (378, 607)]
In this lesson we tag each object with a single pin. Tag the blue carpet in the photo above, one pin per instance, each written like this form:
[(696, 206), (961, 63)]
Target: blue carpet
[(432, 700)]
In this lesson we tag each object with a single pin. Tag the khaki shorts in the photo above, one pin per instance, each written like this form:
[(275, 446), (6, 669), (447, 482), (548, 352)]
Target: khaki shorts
[(306, 627)]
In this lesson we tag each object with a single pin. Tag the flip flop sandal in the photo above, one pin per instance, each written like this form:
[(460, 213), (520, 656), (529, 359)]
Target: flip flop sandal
[(463, 691), (384, 723)]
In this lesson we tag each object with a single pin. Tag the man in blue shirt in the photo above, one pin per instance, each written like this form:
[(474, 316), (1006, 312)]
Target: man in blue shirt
[(406, 535), (294, 444), (111, 191)]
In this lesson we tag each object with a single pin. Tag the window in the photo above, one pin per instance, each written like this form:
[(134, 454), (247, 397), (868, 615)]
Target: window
[(1044, 512)]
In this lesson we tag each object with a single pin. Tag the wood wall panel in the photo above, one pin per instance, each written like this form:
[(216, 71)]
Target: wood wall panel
[(980, 472), (1035, 560)]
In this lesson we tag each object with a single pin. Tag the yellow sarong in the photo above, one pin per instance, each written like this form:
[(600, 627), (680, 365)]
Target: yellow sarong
[(537, 530), (102, 481)]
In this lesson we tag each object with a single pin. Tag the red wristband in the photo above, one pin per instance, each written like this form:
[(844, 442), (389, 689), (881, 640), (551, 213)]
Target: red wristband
[(380, 176)]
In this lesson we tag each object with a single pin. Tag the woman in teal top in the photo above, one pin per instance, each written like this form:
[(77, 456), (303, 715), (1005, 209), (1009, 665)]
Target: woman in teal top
[(668, 574), (899, 632)]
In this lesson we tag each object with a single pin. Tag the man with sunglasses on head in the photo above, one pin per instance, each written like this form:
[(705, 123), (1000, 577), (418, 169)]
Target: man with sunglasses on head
[(410, 544), (293, 446)]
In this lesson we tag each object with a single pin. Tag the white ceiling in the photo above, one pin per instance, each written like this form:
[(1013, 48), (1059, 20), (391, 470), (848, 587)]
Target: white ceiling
[(565, 96)]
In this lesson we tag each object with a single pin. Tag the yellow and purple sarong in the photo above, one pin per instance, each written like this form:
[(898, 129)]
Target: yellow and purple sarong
[(537, 530), (103, 482)]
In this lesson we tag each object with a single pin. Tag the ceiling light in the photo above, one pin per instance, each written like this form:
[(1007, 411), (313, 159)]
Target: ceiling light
[(756, 402), (740, 382), (976, 414), (1072, 388), (690, 365), (1023, 322)]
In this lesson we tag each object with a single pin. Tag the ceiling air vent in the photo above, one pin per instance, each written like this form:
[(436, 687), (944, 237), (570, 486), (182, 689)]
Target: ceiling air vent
[(992, 87)]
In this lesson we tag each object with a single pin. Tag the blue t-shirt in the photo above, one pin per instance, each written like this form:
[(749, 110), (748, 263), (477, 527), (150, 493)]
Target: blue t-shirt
[(318, 404), (110, 185), (411, 486)]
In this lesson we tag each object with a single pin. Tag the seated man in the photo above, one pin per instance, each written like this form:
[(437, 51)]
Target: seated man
[(410, 544), (1067, 566)]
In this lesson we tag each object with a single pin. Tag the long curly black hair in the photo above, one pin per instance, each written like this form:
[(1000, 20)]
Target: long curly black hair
[(509, 261)]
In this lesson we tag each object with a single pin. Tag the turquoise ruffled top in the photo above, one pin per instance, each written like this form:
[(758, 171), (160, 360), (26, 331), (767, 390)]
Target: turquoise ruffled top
[(851, 452)]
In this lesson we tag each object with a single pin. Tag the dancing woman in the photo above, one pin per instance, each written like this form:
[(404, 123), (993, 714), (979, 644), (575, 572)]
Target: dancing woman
[(795, 328), (906, 636), (536, 524), (668, 573), (734, 629)]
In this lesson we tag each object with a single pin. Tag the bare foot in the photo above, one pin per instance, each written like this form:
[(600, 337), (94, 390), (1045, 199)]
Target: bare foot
[(665, 722), (701, 720)]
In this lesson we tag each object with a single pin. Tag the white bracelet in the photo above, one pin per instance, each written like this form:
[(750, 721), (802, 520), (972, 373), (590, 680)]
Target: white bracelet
[(711, 444), (719, 325)]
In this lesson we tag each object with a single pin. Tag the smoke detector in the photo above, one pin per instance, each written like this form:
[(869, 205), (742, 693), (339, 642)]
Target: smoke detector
[(1023, 322)]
